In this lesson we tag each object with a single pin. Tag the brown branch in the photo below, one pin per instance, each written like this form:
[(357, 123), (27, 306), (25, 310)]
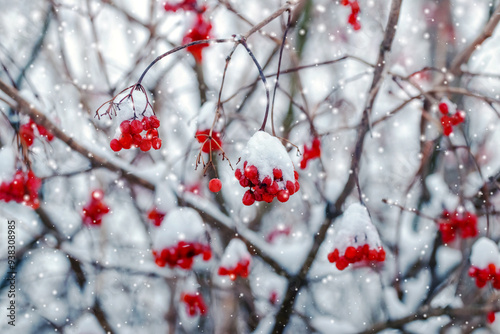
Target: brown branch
[(464, 56), (295, 284), (39, 118)]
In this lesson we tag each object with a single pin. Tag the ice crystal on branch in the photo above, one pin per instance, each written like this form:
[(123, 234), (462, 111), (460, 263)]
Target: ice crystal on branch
[(267, 170), (356, 239)]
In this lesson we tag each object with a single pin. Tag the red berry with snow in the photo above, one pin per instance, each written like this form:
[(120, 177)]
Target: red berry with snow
[(311, 153), (451, 116), (353, 17), (28, 131), (200, 31), (141, 133), (156, 216), (267, 171), (215, 185)]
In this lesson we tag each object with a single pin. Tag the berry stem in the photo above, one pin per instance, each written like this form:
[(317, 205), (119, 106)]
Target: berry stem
[(262, 77)]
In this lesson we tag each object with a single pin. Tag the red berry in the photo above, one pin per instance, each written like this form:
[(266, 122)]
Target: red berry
[(491, 317), (215, 185), (277, 173), (125, 127), (126, 141), (283, 196), (248, 198), (443, 108), (115, 145), (145, 145), (251, 172), (136, 127), (156, 143), (154, 121)]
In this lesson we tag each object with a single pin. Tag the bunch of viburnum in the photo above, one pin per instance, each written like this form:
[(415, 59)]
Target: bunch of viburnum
[(23, 188), (356, 239), (267, 170), (458, 222), (485, 263)]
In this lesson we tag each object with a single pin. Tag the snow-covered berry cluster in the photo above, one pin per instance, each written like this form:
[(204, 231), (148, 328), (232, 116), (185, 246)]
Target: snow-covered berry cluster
[(28, 131), (451, 224), (485, 263), (311, 153), (194, 304), (451, 116), (95, 209), (138, 133), (180, 239), (235, 261), (23, 188), (353, 17), (356, 239), (182, 255), (267, 170)]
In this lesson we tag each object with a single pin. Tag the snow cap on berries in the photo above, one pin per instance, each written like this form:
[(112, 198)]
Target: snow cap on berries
[(356, 229), (267, 153), (182, 224), (236, 260), (485, 252)]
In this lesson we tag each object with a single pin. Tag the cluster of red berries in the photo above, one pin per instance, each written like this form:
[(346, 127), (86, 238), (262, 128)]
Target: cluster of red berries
[(448, 121), (200, 30), (194, 304), (131, 135), (452, 223), (187, 5), (182, 255), (241, 269), (353, 18), (95, 209), (311, 153), (482, 276), (268, 189), (203, 137), (27, 132), (156, 216), (353, 255), (22, 189)]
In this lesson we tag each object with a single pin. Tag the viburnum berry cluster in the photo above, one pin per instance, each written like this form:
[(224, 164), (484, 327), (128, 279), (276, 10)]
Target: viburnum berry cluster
[(210, 142), (235, 261), (356, 239), (199, 31), (182, 255), (353, 17), (458, 222), (27, 132), (23, 188), (95, 209), (267, 171), (451, 116), (194, 304), (138, 133), (311, 153), (179, 240), (485, 263)]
